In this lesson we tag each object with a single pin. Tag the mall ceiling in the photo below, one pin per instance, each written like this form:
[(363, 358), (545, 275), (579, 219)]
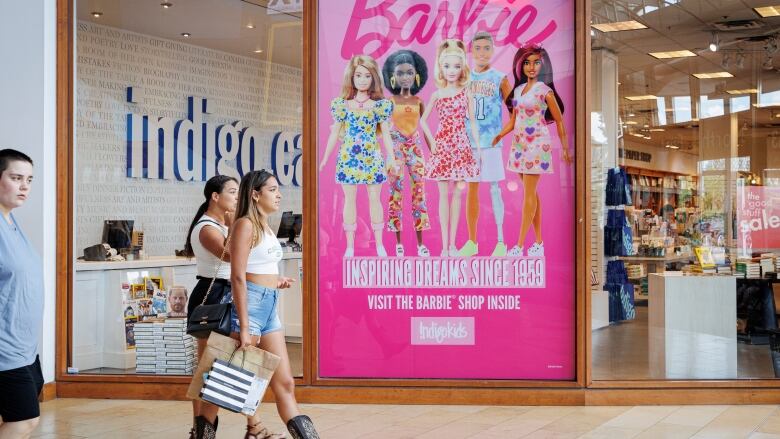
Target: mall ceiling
[(234, 26), (747, 48)]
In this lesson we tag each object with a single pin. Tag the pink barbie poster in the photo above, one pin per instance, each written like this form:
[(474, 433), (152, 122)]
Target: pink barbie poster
[(446, 189)]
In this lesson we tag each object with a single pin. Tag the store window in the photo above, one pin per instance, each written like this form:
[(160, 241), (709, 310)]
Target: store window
[(685, 191), (167, 95)]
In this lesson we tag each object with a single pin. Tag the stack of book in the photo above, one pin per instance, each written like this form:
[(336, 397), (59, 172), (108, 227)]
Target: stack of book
[(163, 347), (767, 263), (748, 268), (635, 271), (724, 269)]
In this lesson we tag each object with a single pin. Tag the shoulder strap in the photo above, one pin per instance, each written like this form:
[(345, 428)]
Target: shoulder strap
[(216, 270)]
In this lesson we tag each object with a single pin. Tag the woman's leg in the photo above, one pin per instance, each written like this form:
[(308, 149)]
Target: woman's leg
[(444, 215), (455, 210), (200, 407), (350, 214), (282, 382), (472, 210), (538, 220), (530, 203), (18, 430)]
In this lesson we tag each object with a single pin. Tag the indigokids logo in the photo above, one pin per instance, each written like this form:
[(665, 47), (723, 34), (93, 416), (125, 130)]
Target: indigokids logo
[(195, 150), (442, 330)]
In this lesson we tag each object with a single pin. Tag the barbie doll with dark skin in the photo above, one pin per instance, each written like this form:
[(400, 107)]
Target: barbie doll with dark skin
[(533, 105), (360, 114), (405, 73), (452, 160)]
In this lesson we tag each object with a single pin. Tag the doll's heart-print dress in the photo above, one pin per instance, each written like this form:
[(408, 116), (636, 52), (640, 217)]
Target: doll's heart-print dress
[(453, 159), (531, 143), (360, 159)]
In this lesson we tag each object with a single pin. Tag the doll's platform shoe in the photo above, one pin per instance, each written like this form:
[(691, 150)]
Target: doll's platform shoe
[(399, 250), (301, 427)]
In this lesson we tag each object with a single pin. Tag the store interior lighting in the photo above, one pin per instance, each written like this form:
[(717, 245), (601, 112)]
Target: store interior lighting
[(619, 26), (714, 42)]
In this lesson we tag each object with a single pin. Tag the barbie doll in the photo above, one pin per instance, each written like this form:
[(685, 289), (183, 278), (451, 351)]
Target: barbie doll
[(361, 113), (452, 160), (534, 105), (405, 73)]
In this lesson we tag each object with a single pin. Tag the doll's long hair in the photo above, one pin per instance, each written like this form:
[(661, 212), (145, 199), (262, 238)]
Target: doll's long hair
[(348, 90), (545, 75), (405, 57), (454, 48)]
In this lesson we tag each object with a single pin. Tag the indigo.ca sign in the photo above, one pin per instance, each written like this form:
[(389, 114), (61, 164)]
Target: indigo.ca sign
[(194, 150)]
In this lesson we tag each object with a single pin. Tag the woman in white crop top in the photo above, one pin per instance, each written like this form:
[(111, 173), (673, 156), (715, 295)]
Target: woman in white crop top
[(255, 282), (205, 241)]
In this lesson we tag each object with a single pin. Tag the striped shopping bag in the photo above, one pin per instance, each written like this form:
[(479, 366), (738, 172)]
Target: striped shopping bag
[(233, 388)]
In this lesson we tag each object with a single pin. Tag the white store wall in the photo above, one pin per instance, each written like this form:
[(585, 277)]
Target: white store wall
[(28, 48)]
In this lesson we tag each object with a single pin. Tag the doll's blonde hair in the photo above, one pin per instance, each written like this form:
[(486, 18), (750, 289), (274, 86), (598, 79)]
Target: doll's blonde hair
[(348, 90), (451, 47)]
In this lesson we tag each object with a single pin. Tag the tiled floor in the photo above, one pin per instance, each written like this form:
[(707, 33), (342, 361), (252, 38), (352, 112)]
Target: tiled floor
[(119, 419)]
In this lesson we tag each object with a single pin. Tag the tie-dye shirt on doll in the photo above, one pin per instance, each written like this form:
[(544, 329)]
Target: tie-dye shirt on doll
[(531, 143), (360, 159)]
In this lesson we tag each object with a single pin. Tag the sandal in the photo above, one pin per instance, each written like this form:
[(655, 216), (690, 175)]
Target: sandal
[(263, 433)]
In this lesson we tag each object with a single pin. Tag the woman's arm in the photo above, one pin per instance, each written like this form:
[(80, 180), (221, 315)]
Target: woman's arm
[(510, 125), (213, 241), (555, 111), (335, 129), (388, 141), (241, 237), (426, 131)]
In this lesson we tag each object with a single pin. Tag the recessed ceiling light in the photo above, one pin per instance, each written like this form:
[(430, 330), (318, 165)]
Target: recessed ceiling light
[(672, 146), (96, 14), (768, 11), (713, 75), (642, 98), (631, 115), (743, 91), (619, 26), (250, 26), (631, 122), (166, 5), (258, 50), (656, 130), (672, 54), (186, 34)]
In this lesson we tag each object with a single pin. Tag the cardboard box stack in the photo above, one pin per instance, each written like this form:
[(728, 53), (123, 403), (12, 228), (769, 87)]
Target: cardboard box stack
[(163, 347)]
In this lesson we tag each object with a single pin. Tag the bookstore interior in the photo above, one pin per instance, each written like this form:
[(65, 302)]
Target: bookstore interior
[(685, 191)]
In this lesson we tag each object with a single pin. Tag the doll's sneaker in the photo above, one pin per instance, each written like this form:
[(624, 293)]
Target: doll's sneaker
[(516, 252), (536, 250), (380, 251), (499, 251), (350, 252), (423, 252), (399, 250), (469, 249)]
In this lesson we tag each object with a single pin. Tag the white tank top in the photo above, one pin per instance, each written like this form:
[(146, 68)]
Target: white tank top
[(206, 260), (264, 259)]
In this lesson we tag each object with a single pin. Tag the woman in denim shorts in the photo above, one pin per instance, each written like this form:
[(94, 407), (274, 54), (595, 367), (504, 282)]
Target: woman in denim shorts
[(255, 282)]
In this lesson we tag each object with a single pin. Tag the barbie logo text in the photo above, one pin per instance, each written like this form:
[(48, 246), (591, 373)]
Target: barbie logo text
[(420, 23), (193, 150)]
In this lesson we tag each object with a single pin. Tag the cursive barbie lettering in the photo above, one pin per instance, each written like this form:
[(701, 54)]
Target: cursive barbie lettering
[(419, 23)]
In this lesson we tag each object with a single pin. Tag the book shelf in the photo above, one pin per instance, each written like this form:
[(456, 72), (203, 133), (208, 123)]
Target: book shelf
[(654, 189)]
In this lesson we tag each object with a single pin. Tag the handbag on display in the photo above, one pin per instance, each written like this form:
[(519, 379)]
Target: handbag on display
[(238, 388), (206, 319)]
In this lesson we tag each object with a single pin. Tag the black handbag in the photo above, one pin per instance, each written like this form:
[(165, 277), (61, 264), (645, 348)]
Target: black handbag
[(207, 318)]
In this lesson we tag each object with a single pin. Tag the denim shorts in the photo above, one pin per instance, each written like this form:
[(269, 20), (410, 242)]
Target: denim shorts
[(262, 304)]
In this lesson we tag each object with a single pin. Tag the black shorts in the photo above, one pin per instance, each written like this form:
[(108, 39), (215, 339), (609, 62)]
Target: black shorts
[(220, 288), (19, 390)]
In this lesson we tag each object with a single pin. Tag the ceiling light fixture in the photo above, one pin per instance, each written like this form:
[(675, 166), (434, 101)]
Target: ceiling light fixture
[(166, 5), (768, 11), (250, 26), (619, 26), (631, 115), (672, 146), (742, 91), (642, 98), (713, 75), (186, 34), (631, 122), (96, 14), (672, 54), (258, 50), (656, 130), (714, 42)]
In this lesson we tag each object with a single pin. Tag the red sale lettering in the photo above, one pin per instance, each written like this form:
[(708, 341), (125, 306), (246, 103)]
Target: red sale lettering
[(417, 24)]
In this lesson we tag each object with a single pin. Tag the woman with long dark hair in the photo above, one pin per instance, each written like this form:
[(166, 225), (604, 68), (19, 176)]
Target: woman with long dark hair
[(205, 241), (255, 254)]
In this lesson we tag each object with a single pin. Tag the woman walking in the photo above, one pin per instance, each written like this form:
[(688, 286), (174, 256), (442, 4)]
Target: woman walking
[(255, 254)]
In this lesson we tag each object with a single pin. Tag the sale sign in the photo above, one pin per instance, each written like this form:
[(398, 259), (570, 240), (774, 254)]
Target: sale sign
[(446, 189), (758, 219)]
